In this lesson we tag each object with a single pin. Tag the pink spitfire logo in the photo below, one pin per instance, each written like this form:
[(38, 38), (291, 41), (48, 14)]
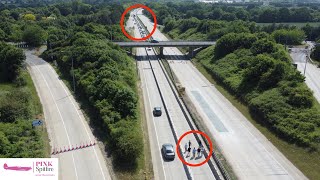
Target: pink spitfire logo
[(15, 168), (43, 168)]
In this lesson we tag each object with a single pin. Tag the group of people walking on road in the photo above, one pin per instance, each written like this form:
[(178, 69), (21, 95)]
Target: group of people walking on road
[(187, 149)]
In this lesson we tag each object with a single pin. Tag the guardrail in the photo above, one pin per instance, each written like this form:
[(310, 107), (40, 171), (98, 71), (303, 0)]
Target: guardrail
[(169, 118)]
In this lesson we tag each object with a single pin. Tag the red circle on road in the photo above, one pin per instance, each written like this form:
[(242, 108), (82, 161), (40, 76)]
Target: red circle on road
[(133, 7), (198, 132)]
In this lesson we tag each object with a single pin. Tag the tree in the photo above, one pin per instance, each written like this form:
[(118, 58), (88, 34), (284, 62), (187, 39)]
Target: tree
[(29, 17), (231, 42), (316, 53), (34, 35), (263, 46), (284, 36), (284, 15), (11, 59)]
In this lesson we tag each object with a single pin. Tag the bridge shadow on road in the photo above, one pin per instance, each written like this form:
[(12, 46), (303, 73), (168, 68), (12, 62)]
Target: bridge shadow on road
[(155, 57)]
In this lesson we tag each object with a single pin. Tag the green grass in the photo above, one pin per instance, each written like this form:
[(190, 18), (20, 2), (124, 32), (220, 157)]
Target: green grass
[(299, 25), (307, 162), (35, 108)]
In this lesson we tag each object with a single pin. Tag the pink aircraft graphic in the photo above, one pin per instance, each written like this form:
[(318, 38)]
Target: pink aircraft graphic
[(16, 168)]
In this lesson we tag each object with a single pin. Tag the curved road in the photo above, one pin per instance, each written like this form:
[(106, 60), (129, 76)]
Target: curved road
[(66, 125)]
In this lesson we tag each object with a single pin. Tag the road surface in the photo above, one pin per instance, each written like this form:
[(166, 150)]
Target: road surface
[(248, 152), (66, 125), (159, 127), (311, 72)]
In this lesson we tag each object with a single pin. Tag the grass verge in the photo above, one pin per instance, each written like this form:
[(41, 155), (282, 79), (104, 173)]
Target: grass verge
[(36, 108), (307, 162), (38, 142)]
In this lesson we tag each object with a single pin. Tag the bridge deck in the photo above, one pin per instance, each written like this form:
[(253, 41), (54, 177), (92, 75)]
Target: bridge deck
[(166, 44)]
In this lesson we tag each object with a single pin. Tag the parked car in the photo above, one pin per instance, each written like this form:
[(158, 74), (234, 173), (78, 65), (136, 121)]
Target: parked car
[(157, 111), (168, 151)]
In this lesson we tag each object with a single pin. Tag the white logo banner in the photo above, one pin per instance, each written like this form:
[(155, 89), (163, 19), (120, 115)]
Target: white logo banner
[(29, 168)]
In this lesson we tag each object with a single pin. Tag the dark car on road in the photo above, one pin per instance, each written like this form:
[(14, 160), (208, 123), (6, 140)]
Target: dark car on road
[(154, 41), (157, 111), (168, 151)]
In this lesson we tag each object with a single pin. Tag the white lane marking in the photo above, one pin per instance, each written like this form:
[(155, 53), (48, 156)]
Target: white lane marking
[(75, 169), (81, 122), (173, 126), (164, 172)]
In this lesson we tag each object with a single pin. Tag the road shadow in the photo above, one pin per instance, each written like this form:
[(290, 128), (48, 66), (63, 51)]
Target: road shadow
[(176, 57)]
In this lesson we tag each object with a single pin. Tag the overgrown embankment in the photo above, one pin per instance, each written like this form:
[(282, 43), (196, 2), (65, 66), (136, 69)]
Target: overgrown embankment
[(19, 106)]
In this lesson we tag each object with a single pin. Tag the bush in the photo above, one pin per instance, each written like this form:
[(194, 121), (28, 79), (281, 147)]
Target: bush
[(11, 59), (284, 36), (231, 42), (127, 140), (34, 35)]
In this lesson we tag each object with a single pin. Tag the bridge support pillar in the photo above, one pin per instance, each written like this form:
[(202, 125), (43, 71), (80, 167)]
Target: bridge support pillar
[(161, 52), (191, 52)]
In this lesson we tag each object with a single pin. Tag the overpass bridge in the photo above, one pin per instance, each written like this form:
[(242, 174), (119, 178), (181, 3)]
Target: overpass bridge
[(162, 44)]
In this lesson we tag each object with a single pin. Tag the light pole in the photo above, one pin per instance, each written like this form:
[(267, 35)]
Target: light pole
[(74, 84), (305, 66), (72, 69)]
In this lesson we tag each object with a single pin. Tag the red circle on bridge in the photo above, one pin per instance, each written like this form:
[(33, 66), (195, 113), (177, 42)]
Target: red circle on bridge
[(197, 132), (133, 7)]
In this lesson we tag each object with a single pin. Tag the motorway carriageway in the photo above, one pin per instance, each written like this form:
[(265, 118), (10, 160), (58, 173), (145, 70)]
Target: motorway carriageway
[(249, 153)]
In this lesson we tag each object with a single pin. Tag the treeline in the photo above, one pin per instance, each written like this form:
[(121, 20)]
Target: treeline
[(259, 14), (18, 107), (32, 24), (216, 19), (195, 29), (259, 72)]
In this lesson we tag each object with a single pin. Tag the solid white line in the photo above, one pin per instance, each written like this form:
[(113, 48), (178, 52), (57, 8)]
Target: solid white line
[(164, 172), (81, 122), (173, 126), (75, 169)]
